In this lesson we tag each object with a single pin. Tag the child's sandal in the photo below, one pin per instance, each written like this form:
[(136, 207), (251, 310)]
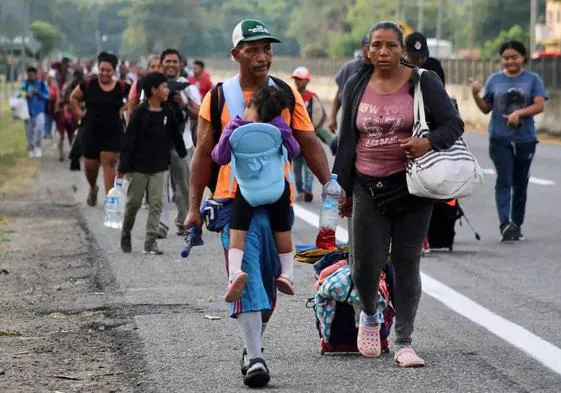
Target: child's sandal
[(284, 285), (236, 287)]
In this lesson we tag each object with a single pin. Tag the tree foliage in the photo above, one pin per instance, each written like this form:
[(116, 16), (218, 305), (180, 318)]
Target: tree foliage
[(307, 27), (491, 47), (47, 34)]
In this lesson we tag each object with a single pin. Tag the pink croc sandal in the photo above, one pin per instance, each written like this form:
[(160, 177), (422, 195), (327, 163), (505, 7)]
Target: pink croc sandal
[(368, 341), (406, 357), (235, 288), (284, 285)]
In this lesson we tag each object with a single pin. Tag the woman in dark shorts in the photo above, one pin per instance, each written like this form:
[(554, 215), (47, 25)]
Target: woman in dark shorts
[(102, 128)]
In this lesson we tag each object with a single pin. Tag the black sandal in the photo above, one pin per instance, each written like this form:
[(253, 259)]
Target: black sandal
[(244, 362), (257, 374), (92, 196)]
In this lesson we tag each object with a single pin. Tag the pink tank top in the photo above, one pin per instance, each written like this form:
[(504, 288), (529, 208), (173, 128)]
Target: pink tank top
[(382, 120)]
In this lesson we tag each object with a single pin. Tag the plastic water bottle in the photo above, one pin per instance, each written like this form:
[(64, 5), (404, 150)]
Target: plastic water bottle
[(329, 215), (115, 206), (194, 237)]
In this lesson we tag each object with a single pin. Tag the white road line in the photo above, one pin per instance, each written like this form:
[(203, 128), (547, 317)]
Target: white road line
[(544, 352), (534, 180)]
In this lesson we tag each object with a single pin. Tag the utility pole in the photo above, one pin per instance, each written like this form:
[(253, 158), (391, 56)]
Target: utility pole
[(398, 6), (533, 16), (439, 27), (420, 15), (471, 28)]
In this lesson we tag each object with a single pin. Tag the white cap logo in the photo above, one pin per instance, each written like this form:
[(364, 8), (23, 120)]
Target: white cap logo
[(259, 29), (418, 45)]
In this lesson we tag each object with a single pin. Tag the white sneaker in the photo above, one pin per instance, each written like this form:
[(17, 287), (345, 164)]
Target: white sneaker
[(31, 154), (38, 152)]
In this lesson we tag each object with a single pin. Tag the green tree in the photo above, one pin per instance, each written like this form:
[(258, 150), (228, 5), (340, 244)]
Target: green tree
[(274, 13), (360, 17), (47, 34), (314, 23), (491, 47), (491, 17)]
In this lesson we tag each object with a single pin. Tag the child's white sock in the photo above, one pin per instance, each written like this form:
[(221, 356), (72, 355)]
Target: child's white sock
[(235, 258), (287, 265)]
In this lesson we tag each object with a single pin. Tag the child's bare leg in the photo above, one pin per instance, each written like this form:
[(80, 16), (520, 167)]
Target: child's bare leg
[(237, 278), (237, 239), (286, 256), (284, 242)]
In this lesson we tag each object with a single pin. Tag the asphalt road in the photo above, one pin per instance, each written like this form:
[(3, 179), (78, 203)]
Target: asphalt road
[(179, 350)]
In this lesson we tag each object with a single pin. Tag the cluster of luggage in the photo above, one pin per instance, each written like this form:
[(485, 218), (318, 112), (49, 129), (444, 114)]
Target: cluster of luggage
[(336, 303)]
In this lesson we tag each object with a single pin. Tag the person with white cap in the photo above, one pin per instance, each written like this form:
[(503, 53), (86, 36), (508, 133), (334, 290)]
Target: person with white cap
[(252, 50), (302, 77)]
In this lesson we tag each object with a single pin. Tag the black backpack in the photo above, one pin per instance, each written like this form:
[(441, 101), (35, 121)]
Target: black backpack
[(217, 105)]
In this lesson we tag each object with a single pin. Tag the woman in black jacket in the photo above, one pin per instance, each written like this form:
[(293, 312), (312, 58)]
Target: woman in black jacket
[(376, 142)]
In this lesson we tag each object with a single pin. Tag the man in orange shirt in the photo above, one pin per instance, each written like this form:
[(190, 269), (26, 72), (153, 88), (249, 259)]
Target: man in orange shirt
[(252, 50)]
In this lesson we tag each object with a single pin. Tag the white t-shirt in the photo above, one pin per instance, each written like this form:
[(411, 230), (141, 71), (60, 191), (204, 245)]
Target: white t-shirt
[(193, 93)]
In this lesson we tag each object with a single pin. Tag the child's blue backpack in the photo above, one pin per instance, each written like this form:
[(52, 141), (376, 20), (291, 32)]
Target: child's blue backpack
[(258, 159)]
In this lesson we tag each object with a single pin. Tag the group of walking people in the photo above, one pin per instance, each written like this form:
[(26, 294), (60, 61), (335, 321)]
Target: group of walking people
[(165, 115)]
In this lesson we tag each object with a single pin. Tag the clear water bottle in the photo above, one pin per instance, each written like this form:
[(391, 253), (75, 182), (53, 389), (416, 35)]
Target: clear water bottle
[(329, 215), (115, 206)]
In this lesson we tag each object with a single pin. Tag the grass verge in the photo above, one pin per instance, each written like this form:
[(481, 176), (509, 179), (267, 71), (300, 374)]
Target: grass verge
[(16, 170)]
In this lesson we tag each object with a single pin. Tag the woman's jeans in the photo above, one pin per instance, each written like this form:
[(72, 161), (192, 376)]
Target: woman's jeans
[(299, 167), (373, 232), (512, 162)]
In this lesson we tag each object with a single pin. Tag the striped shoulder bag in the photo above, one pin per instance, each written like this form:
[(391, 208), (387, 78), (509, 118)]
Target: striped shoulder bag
[(445, 174)]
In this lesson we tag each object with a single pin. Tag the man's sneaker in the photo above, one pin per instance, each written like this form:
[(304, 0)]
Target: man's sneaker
[(511, 232), (38, 152), (257, 374), (308, 196), (502, 228), (151, 247), (126, 245), (516, 232)]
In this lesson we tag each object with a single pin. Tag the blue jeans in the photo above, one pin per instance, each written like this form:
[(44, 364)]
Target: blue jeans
[(299, 167), (34, 129), (512, 162)]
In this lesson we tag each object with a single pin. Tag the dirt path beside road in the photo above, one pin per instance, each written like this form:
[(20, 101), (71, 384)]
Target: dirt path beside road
[(56, 332)]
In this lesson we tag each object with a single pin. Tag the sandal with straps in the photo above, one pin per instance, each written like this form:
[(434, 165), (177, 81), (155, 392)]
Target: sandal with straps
[(368, 341)]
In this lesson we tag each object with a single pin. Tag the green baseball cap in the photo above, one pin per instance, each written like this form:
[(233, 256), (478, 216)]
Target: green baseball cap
[(251, 30)]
